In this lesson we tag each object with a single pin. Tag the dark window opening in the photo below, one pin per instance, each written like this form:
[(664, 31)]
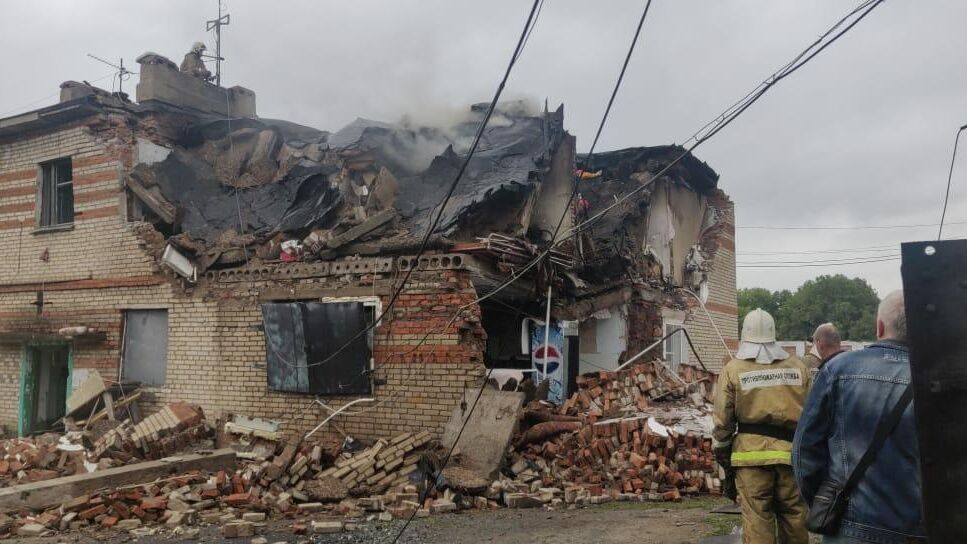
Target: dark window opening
[(302, 343), (504, 337), (56, 193)]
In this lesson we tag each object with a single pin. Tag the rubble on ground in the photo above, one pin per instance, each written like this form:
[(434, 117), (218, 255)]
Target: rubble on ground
[(642, 433), (636, 434)]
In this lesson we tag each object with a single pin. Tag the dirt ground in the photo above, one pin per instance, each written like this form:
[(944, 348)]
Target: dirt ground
[(615, 523)]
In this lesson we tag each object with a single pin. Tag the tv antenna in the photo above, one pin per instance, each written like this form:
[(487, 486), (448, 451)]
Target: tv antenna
[(123, 74), (217, 25)]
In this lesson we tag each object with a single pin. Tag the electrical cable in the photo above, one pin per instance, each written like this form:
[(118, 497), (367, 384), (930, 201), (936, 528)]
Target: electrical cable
[(788, 69), (866, 249), (950, 176), (39, 100), (781, 265), (721, 124), (846, 227), (567, 209), (800, 60), (846, 260), (443, 203)]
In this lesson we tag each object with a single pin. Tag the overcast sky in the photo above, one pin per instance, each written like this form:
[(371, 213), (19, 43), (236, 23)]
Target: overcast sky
[(862, 136)]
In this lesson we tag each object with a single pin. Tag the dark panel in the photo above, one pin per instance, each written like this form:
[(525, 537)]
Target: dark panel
[(935, 291), (328, 327), (145, 346), (299, 336), (285, 353)]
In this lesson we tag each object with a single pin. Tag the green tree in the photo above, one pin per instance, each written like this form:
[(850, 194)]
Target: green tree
[(770, 301), (848, 303), (755, 297)]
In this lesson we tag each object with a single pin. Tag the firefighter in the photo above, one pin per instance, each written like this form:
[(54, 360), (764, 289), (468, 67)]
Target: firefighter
[(758, 401), (193, 64)]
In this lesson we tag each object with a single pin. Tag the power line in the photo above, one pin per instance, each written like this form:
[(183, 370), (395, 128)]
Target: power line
[(52, 95), (847, 259), (442, 205), (766, 82), (846, 227), (866, 249), (798, 265), (565, 212), (950, 176), (798, 62)]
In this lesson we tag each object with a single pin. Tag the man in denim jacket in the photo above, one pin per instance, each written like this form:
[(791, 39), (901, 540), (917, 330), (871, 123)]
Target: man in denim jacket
[(850, 395)]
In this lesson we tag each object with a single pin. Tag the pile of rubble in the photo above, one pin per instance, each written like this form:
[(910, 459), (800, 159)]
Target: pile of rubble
[(39, 458), (638, 434), (294, 480)]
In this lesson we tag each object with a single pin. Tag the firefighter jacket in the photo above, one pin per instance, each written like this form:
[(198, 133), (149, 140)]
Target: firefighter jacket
[(757, 406)]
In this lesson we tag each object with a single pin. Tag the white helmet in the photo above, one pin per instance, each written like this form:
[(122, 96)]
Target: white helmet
[(758, 327), (198, 47)]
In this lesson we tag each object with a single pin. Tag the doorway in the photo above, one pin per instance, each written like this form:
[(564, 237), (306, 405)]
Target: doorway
[(45, 380)]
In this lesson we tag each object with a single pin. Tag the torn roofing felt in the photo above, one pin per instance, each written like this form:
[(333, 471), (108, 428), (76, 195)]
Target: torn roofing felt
[(283, 177), (208, 208), (512, 151), (621, 164)]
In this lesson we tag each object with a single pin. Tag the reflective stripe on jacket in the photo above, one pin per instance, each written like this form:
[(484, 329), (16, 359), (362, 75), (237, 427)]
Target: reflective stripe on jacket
[(767, 394)]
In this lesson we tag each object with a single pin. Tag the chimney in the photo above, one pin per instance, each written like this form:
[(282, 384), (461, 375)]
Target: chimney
[(162, 81)]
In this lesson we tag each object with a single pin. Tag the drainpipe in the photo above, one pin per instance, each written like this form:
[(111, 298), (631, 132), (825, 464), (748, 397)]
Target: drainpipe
[(547, 330)]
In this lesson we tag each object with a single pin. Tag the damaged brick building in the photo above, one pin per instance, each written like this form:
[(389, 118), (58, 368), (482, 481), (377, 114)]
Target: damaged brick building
[(223, 259)]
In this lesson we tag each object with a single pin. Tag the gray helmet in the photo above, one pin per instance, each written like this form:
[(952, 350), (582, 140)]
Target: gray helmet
[(198, 47)]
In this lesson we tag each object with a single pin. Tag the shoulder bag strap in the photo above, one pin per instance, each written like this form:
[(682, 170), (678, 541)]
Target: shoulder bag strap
[(883, 431)]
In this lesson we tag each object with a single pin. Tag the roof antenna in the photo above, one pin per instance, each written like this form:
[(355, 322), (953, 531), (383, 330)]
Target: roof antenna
[(217, 25), (123, 73)]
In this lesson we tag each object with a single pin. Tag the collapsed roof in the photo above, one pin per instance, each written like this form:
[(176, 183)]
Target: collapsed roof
[(276, 177), (229, 184)]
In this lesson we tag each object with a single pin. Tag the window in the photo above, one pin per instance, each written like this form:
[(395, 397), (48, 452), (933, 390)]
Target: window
[(302, 342), (56, 193), (145, 355), (674, 349)]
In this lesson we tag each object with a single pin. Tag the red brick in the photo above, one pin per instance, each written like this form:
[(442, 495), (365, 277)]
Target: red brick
[(154, 503), (238, 499), (92, 513)]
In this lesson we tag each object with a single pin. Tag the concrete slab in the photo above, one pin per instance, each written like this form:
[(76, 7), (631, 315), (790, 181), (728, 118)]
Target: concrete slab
[(39, 495), (488, 431)]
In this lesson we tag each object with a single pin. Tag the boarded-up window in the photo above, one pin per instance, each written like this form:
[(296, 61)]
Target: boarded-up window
[(145, 357), (302, 343)]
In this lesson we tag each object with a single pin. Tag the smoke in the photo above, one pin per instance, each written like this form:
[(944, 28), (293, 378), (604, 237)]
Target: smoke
[(431, 130)]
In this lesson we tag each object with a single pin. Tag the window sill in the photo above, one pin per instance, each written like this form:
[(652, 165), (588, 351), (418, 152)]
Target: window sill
[(53, 228)]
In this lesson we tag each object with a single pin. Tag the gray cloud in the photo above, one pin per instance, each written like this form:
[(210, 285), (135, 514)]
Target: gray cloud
[(860, 136)]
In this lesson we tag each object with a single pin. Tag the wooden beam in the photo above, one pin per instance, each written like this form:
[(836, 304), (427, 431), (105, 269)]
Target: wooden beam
[(46, 493), (361, 229), (153, 199)]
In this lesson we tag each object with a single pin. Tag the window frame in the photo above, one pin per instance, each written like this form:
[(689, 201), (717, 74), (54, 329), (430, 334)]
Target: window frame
[(679, 338), (372, 307), (52, 194)]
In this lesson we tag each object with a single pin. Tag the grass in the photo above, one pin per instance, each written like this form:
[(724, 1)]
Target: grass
[(722, 524), (707, 503)]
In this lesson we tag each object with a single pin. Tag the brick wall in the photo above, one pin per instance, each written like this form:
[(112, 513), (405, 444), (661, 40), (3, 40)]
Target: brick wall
[(719, 244), (101, 245), (217, 355), (216, 349)]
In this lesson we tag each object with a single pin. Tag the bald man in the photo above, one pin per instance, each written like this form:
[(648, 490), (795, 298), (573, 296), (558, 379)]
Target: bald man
[(828, 343), (850, 396)]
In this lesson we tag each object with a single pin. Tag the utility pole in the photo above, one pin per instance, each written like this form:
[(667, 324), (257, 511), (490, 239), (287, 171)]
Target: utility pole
[(123, 73), (217, 24)]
